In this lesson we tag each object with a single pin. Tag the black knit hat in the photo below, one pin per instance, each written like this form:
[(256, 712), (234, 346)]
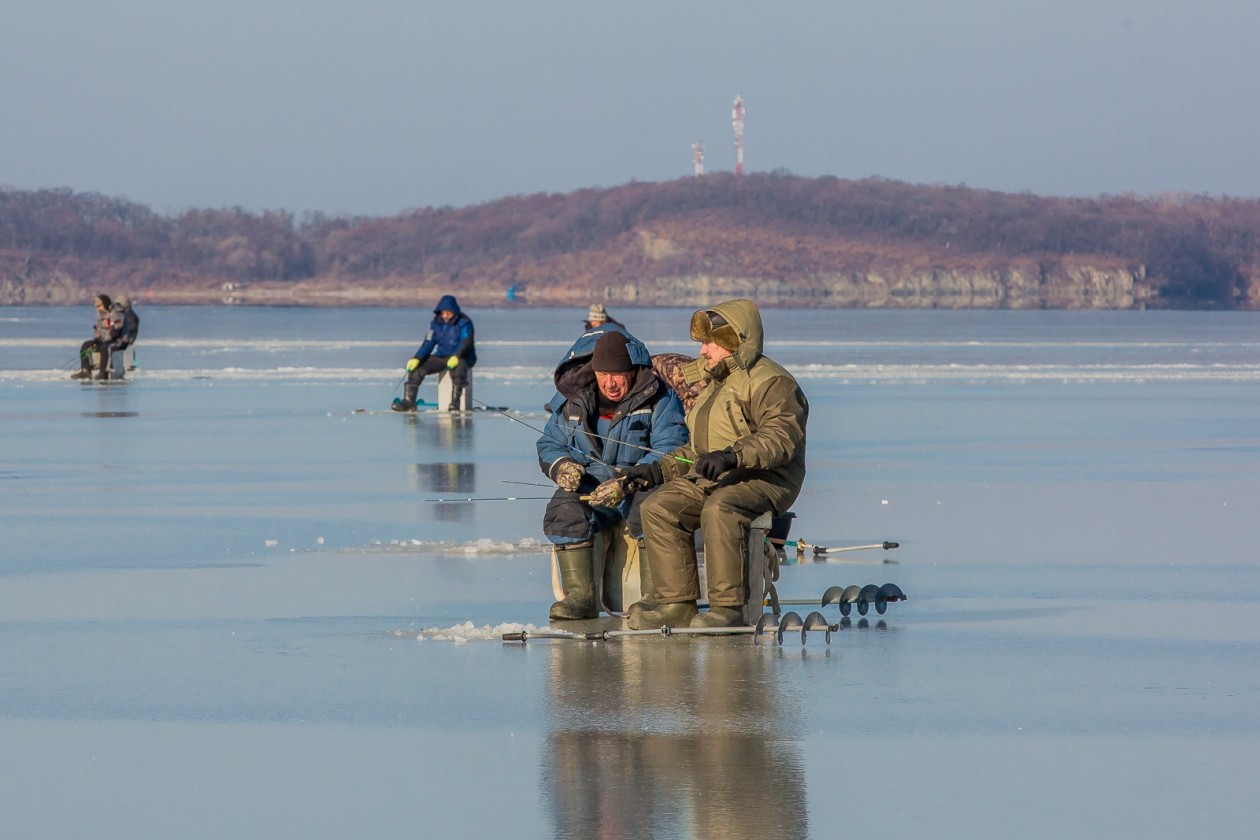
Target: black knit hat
[(611, 355)]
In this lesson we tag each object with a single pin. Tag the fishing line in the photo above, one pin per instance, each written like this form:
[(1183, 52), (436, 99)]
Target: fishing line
[(543, 432), (591, 434)]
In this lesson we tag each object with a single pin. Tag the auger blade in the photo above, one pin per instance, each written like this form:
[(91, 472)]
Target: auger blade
[(892, 592), (848, 598), (887, 594), (790, 621), (816, 621), (832, 595), (866, 597), (769, 622)]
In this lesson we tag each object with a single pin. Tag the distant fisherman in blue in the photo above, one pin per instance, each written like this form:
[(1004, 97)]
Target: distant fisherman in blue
[(610, 411), (448, 345)]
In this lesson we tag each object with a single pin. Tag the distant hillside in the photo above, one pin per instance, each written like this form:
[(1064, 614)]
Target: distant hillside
[(779, 239)]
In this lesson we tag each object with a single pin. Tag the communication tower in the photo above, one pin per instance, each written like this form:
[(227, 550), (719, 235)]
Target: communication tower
[(697, 149), (737, 122)]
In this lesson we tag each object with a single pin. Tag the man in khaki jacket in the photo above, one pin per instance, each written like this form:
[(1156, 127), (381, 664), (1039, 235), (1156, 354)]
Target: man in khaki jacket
[(746, 456)]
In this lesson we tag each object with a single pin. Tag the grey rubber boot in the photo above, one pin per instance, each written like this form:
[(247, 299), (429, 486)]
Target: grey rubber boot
[(577, 574), (673, 615), (647, 596), (457, 398), (719, 617)]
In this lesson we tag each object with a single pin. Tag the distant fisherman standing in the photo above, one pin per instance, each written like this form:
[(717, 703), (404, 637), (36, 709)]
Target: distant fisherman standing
[(448, 345)]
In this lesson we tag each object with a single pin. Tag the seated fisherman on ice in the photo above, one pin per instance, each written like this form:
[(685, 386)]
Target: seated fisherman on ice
[(597, 316), (103, 332), (610, 411), (448, 345), (124, 324), (745, 457)]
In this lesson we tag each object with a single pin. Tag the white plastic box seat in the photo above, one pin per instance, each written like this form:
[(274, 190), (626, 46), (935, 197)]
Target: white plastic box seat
[(446, 387), (119, 363)]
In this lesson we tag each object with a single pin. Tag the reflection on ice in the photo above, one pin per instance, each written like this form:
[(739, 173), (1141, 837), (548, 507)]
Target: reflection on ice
[(442, 431), (672, 738), (448, 477)]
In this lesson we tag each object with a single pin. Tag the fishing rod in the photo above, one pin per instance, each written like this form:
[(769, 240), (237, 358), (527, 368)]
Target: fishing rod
[(543, 432), (802, 546), (486, 499), (497, 498)]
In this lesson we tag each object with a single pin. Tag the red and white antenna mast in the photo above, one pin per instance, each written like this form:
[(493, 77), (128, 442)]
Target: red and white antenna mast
[(697, 149), (737, 122)]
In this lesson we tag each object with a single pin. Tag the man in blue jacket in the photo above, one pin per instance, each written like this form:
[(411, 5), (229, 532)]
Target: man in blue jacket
[(448, 345), (611, 411)]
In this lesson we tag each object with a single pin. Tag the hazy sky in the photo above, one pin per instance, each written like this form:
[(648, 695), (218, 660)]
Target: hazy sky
[(375, 106)]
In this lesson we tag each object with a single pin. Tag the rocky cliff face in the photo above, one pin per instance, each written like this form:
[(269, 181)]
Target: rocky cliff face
[(648, 267), (1012, 287)]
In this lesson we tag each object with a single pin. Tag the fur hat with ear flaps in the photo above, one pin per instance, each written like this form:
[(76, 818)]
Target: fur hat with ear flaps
[(707, 325)]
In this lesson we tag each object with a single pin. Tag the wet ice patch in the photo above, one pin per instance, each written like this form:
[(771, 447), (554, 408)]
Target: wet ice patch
[(467, 632), (472, 548)]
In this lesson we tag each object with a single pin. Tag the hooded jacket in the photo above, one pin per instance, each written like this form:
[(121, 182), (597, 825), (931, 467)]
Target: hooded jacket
[(650, 416), (125, 326), (103, 330), (453, 339), (752, 406)]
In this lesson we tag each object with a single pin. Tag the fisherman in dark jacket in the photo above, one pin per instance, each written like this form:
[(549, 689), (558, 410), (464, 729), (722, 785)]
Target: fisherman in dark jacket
[(102, 334), (125, 325), (610, 411), (448, 345)]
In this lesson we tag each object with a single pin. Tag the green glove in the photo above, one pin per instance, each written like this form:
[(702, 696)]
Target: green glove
[(412, 364), (452, 363)]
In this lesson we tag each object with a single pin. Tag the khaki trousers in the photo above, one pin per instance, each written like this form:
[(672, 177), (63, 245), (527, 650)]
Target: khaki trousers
[(670, 519)]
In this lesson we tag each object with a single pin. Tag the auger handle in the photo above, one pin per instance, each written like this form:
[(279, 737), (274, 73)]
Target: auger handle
[(519, 636)]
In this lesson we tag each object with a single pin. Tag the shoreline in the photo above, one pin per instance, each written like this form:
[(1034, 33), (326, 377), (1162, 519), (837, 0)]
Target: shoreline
[(310, 296)]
